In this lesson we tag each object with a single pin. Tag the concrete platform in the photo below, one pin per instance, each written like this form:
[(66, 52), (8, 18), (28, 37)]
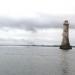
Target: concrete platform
[(65, 47)]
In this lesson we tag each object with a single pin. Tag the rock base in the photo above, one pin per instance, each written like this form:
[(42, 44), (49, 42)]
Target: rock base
[(65, 47)]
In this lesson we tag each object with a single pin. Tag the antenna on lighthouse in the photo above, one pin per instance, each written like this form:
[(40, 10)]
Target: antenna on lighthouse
[(65, 40)]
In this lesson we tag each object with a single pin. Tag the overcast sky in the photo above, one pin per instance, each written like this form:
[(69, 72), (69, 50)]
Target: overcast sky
[(30, 19), (32, 14), (29, 8)]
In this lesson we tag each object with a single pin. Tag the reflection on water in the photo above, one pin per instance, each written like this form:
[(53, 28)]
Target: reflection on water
[(64, 62)]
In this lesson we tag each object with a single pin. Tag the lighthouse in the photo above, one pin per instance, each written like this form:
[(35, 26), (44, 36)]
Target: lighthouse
[(65, 39)]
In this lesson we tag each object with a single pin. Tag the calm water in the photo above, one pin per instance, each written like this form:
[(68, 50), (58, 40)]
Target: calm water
[(20, 60)]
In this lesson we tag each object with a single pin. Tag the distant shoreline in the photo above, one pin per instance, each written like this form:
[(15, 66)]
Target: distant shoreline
[(36, 45)]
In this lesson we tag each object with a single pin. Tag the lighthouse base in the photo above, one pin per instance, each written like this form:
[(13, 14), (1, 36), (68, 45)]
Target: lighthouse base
[(65, 47)]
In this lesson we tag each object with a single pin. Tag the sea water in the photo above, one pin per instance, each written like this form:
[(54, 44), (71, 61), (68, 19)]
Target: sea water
[(33, 60)]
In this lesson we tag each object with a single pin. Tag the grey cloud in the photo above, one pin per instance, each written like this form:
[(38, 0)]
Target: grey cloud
[(41, 21)]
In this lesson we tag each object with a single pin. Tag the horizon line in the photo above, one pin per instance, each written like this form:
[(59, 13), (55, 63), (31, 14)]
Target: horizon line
[(38, 45)]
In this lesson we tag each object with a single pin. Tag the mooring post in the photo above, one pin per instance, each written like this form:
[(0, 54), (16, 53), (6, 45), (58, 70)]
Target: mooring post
[(65, 40)]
